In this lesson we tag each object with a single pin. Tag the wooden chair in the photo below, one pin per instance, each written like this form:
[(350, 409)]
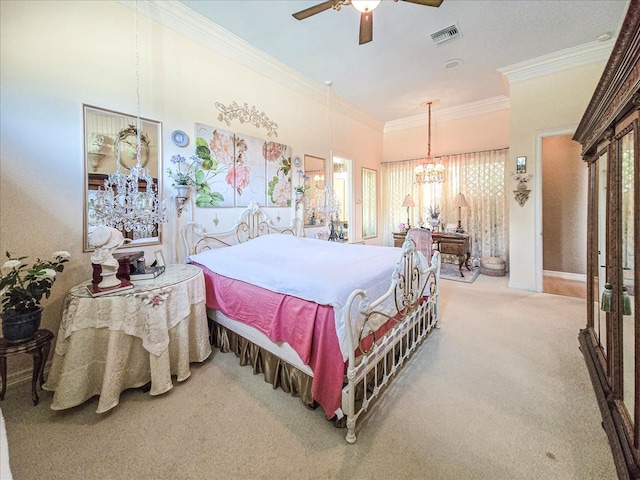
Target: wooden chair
[(424, 243)]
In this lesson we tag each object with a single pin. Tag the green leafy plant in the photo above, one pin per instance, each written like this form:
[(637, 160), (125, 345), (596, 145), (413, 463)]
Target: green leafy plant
[(22, 287), (209, 167)]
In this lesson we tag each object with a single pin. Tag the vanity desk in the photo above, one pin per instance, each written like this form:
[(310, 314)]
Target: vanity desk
[(457, 244), (398, 238), (130, 338)]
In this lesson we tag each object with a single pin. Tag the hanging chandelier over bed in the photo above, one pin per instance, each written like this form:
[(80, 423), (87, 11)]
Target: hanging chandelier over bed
[(122, 204)]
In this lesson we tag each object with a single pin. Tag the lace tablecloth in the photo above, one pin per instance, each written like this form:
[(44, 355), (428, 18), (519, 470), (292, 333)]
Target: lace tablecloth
[(124, 340)]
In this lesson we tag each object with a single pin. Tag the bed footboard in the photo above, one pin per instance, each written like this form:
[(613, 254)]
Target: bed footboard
[(415, 290)]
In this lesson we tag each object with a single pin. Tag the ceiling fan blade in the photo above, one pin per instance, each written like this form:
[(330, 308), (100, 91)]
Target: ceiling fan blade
[(426, 3), (366, 27), (307, 12)]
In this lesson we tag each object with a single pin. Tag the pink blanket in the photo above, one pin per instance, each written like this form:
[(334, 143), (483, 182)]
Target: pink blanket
[(307, 327)]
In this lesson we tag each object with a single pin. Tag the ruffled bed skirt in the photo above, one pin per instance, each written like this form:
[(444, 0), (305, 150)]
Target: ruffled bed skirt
[(281, 374), (278, 373)]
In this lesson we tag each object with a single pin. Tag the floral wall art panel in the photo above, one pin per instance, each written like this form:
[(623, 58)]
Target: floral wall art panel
[(248, 174), (215, 148), (278, 166), (241, 168)]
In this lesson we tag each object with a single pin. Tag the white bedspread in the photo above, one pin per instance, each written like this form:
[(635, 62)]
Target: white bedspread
[(321, 271)]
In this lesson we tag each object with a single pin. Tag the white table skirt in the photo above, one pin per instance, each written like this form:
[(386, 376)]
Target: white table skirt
[(145, 341)]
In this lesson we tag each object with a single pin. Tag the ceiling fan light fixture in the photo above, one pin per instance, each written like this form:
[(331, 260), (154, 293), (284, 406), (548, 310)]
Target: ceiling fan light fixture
[(365, 6)]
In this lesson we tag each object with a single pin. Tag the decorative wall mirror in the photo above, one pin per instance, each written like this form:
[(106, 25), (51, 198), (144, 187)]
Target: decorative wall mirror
[(369, 203), (342, 187), (110, 143), (314, 170)]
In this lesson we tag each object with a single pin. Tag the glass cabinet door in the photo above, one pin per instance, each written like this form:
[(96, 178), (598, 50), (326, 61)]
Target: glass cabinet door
[(629, 289), (599, 250)]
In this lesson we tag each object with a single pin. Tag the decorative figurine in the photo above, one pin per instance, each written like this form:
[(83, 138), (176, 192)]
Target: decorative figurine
[(105, 240)]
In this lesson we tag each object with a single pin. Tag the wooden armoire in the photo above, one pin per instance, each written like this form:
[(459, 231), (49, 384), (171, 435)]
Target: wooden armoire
[(610, 139)]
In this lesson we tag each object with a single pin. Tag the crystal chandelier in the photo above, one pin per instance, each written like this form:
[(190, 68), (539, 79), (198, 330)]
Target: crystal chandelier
[(429, 171), (122, 204), (329, 208)]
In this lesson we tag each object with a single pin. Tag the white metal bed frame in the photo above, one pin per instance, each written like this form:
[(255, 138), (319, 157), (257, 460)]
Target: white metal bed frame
[(414, 289)]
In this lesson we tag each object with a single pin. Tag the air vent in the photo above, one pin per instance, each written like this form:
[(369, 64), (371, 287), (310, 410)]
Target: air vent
[(446, 34)]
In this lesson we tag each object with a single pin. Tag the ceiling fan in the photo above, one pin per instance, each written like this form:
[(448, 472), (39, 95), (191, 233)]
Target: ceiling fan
[(365, 7)]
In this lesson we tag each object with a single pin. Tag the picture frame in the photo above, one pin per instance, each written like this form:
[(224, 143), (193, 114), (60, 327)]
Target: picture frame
[(521, 165), (159, 258)]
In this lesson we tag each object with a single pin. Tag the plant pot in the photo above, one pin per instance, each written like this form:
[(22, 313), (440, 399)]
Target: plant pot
[(299, 195), (18, 327), (182, 190)]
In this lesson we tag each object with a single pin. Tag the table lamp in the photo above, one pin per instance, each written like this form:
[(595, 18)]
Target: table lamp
[(460, 202), (408, 202)]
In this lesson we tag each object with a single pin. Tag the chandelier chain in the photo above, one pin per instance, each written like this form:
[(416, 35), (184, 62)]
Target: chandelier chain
[(429, 171), (121, 204)]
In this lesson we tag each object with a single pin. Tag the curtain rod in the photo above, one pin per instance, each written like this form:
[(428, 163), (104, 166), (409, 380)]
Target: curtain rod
[(448, 155)]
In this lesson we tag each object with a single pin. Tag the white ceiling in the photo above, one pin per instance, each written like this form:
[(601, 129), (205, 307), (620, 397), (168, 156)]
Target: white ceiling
[(401, 68)]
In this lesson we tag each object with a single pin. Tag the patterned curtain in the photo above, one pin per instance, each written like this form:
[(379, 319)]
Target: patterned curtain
[(480, 176)]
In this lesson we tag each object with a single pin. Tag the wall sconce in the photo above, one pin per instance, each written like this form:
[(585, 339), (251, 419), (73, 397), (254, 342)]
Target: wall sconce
[(522, 192), (181, 204), (181, 198), (94, 150)]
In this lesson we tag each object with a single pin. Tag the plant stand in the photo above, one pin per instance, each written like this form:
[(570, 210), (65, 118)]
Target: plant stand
[(38, 346)]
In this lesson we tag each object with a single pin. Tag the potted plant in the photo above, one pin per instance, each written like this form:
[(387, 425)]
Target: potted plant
[(434, 213), (302, 185), (183, 175), (522, 179), (21, 289)]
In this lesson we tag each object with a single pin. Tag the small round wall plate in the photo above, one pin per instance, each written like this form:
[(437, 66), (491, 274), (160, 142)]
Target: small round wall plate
[(180, 138), (297, 162)]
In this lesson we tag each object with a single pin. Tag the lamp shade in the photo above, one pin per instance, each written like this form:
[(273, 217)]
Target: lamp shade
[(408, 201), (460, 201)]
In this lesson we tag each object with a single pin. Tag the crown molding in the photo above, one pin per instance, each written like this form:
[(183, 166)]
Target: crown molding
[(467, 110), (558, 61), (186, 22)]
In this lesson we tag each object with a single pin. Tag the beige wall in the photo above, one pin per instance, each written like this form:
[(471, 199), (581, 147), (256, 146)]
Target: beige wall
[(55, 56), (470, 134), (564, 200), (540, 106)]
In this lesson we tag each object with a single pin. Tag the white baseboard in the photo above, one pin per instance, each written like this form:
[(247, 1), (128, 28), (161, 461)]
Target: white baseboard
[(578, 277), (521, 286)]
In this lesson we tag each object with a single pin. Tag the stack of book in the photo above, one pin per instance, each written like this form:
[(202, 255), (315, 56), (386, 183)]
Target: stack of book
[(149, 273)]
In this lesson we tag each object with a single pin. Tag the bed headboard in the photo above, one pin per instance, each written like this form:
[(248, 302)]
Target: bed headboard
[(253, 222)]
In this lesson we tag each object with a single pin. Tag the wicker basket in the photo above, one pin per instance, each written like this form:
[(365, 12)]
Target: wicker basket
[(492, 266)]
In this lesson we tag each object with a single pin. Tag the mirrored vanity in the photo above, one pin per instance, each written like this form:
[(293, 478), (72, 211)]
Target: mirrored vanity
[(609, 134)]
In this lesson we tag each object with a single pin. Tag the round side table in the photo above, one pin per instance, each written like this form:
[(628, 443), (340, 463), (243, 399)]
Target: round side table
[(38, 346)]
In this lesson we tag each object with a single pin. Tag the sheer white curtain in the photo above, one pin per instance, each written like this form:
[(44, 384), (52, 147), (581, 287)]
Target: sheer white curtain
[(480, 176), (396, 181)]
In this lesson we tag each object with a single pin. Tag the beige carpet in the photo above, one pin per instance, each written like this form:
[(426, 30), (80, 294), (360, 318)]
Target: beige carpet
[(499, 392)]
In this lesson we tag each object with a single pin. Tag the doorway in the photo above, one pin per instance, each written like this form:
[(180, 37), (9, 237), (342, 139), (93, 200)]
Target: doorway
[(562, 216)]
